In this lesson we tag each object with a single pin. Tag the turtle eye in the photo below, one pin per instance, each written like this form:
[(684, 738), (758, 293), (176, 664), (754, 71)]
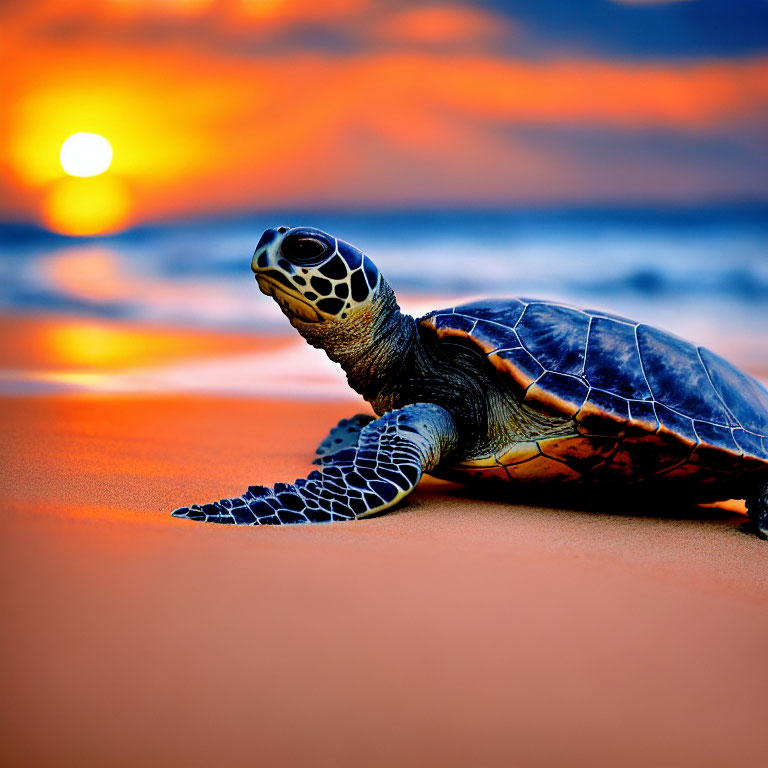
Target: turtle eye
[(305, 250)]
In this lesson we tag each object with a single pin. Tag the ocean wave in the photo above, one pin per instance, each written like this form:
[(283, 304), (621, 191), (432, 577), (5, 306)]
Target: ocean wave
[(198, 273)]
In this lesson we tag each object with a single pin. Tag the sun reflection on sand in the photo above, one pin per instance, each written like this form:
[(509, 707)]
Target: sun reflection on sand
[(102, 348), (290, 371), (98, 357), (91, 357), (89, 345)]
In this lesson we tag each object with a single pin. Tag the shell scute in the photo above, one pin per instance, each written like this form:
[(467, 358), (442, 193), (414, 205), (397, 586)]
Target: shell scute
[(710, 456), (543, 468), (742, 395), (584, 454), (517, 453), (716, 436), (671, 422), (613, 360), (496, 473), (454, 325), (637, 456), (503, 311), (492, 336), (677, 376), (483, 462), (603, 413), (749, 442), (672, 451), (520, 365), (558, 393), (555, 335), (642, 416)]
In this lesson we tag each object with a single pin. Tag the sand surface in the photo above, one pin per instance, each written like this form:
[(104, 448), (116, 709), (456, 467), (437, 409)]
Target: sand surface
[(456, 630)]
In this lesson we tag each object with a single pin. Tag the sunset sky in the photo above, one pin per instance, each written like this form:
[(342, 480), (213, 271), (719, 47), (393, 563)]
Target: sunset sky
[(242, 105)]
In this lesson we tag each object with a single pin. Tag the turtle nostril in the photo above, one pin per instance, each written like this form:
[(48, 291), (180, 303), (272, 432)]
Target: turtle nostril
[(282, 230)]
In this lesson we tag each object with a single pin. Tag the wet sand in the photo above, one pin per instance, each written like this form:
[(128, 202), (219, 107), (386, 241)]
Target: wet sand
[(456, 630)]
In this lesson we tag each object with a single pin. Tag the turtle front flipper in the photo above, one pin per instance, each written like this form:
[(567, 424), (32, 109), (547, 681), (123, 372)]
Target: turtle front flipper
[(344, 435), (391, 455)]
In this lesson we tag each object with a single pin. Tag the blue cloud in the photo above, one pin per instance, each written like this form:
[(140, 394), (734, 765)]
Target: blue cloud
[(699, 28)]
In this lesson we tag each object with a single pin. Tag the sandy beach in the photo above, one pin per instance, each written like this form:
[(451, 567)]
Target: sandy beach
[(456, 630)]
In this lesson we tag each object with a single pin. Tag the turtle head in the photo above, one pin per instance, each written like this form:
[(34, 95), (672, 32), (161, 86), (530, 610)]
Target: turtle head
[(316, 278), (336, 299)]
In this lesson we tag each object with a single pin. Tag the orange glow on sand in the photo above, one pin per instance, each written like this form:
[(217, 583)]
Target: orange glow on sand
[(86, 206)]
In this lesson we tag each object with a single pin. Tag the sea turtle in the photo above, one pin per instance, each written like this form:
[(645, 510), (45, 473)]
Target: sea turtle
[(513, 390)]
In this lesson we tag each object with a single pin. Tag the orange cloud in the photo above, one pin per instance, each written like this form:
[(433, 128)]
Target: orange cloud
[(42, 13), (205, 22), (693, 96), (197, 128), (441, 25), (222, 133)]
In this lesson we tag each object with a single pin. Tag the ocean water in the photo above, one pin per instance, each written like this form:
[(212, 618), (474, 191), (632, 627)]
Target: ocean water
[(700, 274)]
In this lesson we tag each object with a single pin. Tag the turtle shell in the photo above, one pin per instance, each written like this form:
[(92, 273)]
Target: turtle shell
[(617, 379)]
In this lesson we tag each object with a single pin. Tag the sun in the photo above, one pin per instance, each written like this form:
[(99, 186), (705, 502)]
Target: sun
[(85, 154)]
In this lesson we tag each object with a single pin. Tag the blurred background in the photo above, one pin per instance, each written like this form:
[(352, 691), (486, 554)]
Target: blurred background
[(609, 153)]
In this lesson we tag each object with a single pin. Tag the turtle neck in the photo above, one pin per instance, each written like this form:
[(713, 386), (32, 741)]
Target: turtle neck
[(374, 345)]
